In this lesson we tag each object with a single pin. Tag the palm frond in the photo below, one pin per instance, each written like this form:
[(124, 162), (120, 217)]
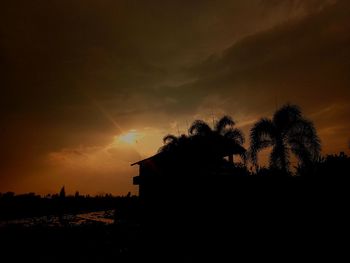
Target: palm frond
[(262, 135), (286, 116), (223, 123), (199, 127), (241, 151), (301, 152), (264, 128), (255, 148), (235, 135), (304, 140), (279, 158)]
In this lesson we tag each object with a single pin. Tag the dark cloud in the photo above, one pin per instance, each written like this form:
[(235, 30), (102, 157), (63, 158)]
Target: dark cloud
[(304, 61), (312, 52), (77, 73)]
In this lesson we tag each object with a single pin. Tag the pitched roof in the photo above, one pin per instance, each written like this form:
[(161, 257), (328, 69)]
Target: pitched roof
[(147, 159)]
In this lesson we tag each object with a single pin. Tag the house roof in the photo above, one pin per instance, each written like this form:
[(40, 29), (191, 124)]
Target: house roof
[(147, 159), (162, 153)]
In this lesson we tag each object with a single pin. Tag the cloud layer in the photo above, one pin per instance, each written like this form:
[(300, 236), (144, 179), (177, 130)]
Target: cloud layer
[(75, 74)]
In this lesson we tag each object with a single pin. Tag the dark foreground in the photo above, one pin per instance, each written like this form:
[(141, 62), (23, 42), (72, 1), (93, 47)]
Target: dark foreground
[(85, 243), (278, 221), (130, 243)]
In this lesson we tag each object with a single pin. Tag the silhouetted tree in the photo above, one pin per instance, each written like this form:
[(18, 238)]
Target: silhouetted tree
[(332, 167), (286, 132), (62, 192), (223, 139), (172, 143), (226, 138)]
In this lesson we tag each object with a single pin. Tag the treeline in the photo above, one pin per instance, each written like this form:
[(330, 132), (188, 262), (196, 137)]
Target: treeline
[(14, 206), (211, 173), (288, 136)]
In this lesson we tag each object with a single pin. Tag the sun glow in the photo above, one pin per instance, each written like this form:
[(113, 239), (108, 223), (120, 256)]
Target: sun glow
[(130, 137)]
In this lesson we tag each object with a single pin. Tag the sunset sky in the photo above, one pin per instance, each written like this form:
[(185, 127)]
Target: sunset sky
[(88, 87)]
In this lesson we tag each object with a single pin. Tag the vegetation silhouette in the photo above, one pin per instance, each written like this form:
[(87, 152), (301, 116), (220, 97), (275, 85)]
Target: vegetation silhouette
[(333, 167), (189, 189), (196, 204), (31, 205), (288, 131), (224, 139), (205, 146)]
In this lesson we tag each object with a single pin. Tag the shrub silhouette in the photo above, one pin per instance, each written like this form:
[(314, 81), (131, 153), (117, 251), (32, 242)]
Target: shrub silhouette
[(330, 167)]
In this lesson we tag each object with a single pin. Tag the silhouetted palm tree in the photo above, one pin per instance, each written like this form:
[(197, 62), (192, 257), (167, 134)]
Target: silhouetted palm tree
[(172, 142), (224, 139), (287, 132)]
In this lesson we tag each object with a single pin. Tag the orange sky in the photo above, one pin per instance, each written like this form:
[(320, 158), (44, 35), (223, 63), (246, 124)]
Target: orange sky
[(90, 86)]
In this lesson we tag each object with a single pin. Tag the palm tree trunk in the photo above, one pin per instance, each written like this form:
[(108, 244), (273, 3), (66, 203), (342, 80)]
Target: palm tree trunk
[(284, 160)]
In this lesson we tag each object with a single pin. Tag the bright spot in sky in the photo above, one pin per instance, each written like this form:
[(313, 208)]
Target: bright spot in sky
[(145, 141), (130, 137)]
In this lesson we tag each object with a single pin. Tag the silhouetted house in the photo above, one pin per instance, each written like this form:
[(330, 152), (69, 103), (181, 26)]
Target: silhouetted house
[(167, 176), (186, 187), (150, 171)]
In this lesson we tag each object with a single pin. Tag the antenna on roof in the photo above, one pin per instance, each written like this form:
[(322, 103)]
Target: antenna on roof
[(188, 132), (213, 116)]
